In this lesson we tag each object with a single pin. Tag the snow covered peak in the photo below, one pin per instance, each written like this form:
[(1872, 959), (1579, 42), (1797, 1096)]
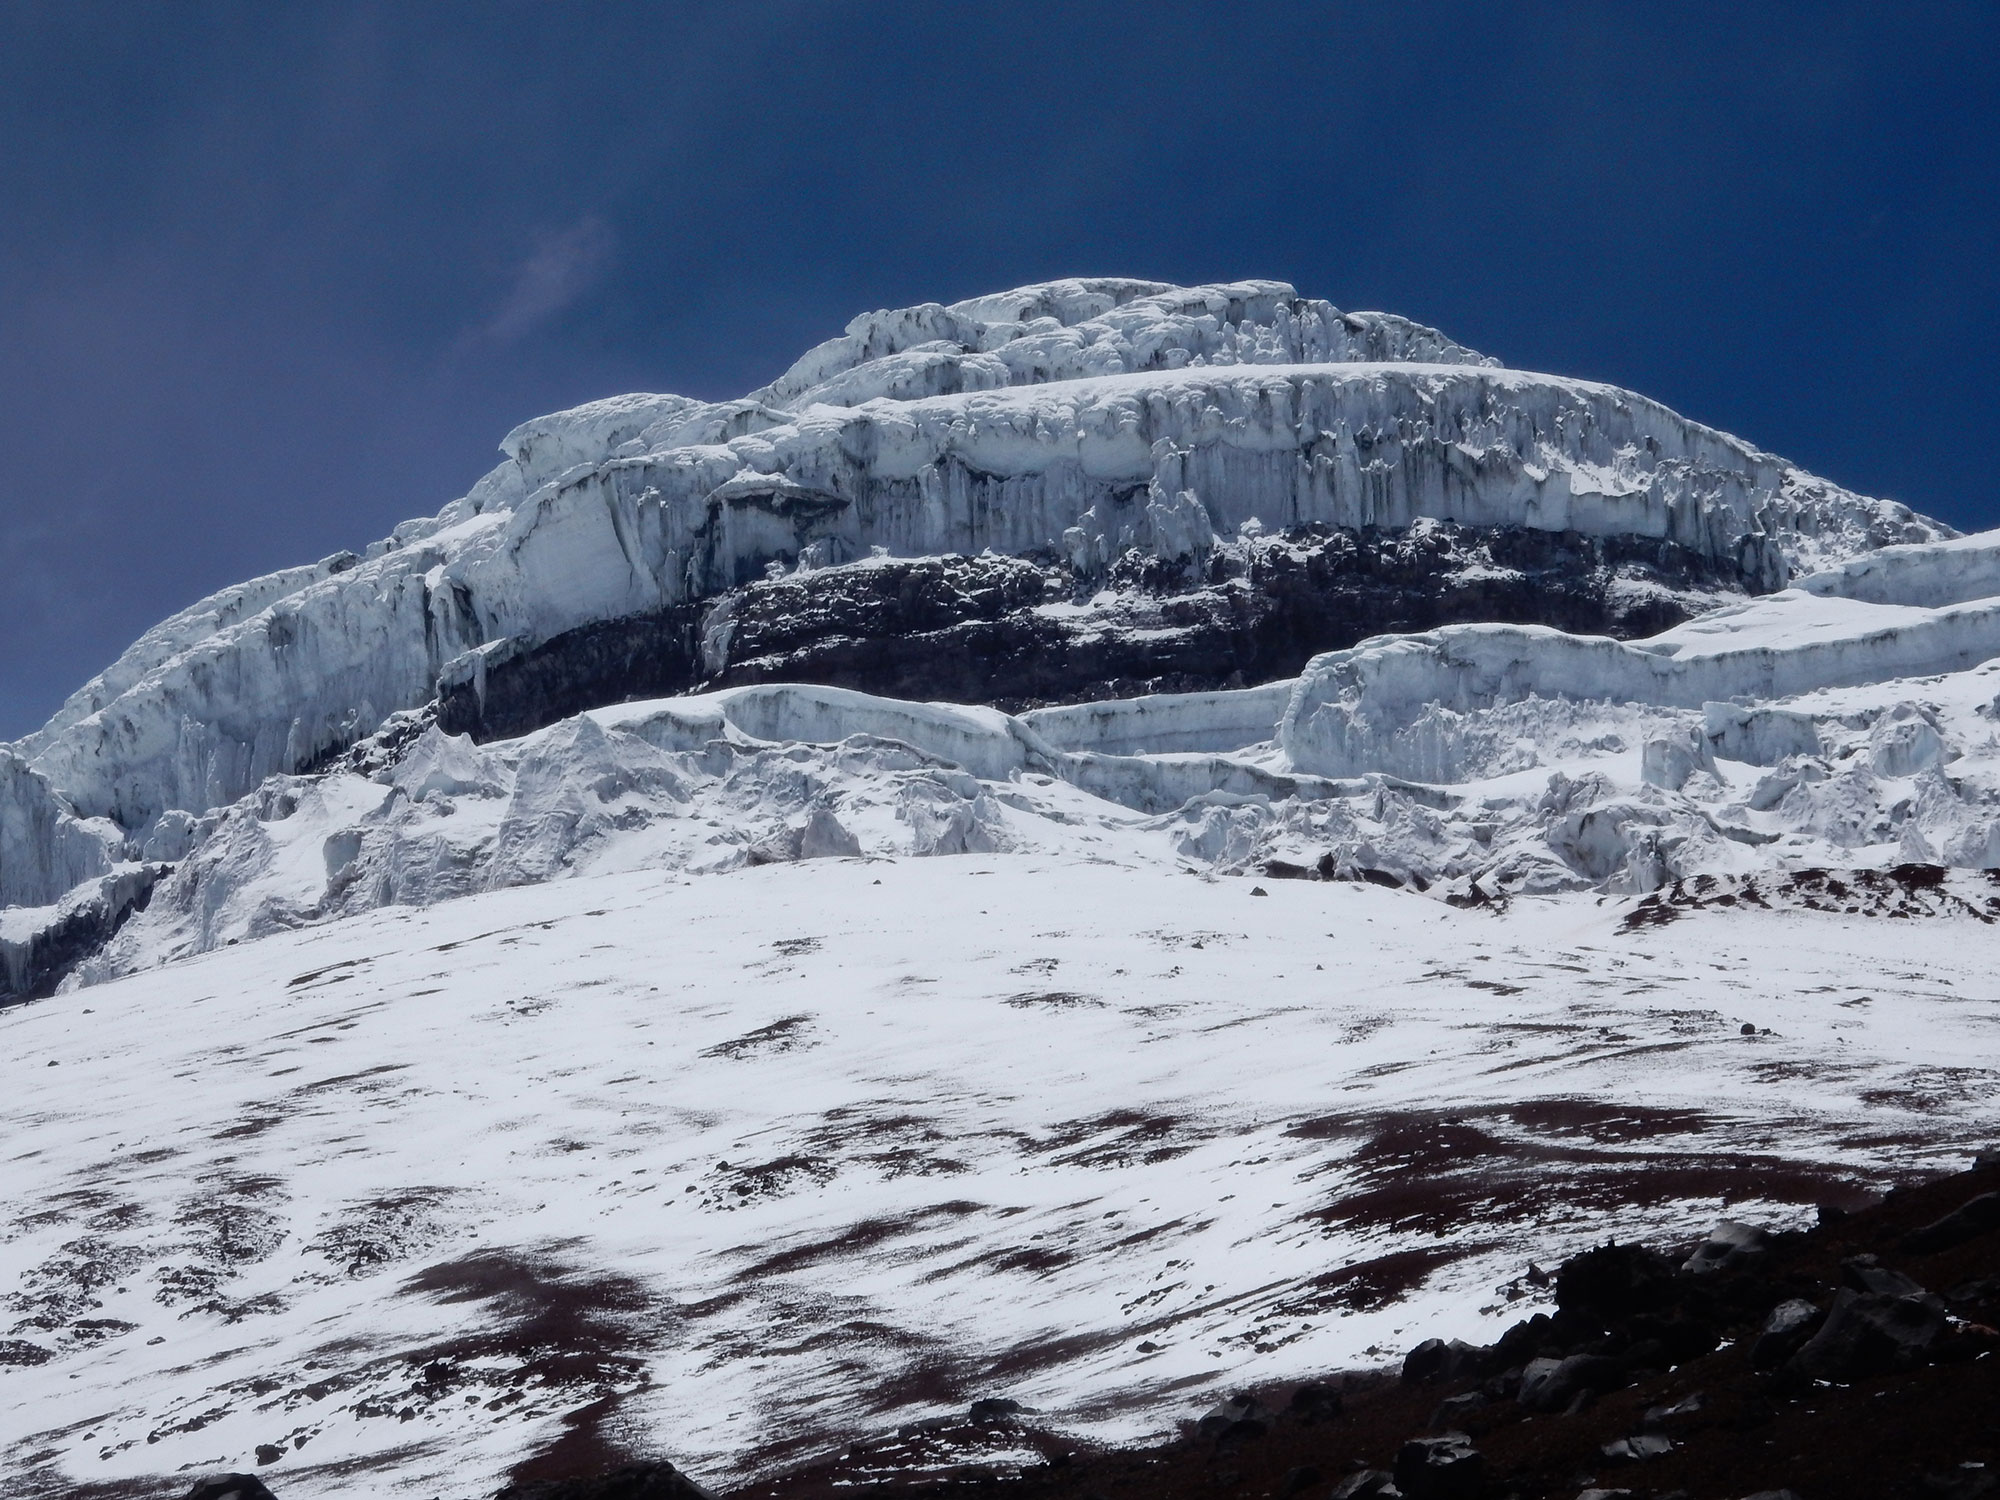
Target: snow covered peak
[(1095, 425), (1069, 330)]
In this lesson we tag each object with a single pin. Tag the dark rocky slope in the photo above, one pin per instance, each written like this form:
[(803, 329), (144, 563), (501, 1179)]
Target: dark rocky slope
[(1857, 1361)]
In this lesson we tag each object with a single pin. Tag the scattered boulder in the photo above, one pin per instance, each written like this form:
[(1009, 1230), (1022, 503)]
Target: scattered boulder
[(1789, 1325), (1368, 1484), (1967, 1482), (1298, 1480), (1437, 1360), (230, 1487), (1975, 1217), (644, 1481), (1553, 1384), (1236, 1420), (1447, 1467), (1314, 1402), (1613, 1283), (1865, 1274), (1453, 1410), (1730, 1246), (1869, 1332), (1643, 1446), (994, 1411)]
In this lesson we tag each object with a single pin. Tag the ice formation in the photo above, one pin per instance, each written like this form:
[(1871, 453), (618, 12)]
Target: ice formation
[(1804, 729), (1077, 419), (975, 1068)]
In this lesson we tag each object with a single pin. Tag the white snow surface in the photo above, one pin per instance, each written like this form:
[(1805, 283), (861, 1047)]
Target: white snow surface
[(785, 1063), (815, 1148), (1079, 418)]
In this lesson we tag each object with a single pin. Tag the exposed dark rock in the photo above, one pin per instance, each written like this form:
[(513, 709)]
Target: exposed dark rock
[(1236, 1420), (972, 630), (1729, 1246), (1790, 1324), (1613, 1283), (1440, 1468), (1662, 1386), (994, 1409), (645, 1481), (1979, 1216), (230, 1487), (1437, 1359), (1366, 1485), (1638, 1448), (1554, 1384), (86, 920), (1453, 1410), (1315, 1403), (1298, 1480), (1866, 1333), (1866, 1274)]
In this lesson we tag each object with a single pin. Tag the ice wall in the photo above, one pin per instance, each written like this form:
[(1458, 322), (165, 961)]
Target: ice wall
[(1922, 575), (1077, 418), (1364, 709)]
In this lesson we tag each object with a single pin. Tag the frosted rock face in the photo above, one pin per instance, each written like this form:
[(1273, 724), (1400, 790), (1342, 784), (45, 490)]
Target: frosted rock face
[(1078, 417)]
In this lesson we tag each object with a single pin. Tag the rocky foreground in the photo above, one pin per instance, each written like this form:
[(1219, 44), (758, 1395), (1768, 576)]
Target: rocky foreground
[(1853, 1359), (1856, 1359)]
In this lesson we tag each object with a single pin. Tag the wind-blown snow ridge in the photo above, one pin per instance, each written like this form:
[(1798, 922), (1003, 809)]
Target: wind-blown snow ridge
[(1076, 419)]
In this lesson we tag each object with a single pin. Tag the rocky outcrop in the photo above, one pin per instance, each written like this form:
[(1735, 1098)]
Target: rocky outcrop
[(1023, 632), (39, 946), (1798, 1366)]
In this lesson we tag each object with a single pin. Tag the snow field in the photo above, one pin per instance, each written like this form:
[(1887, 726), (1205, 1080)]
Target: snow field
[(737, 1166)]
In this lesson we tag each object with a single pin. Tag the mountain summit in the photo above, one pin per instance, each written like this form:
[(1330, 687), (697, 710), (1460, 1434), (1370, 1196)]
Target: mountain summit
[(1093, 849)]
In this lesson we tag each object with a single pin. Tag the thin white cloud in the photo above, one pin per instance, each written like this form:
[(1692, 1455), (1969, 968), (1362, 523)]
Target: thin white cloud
[(561, 268)]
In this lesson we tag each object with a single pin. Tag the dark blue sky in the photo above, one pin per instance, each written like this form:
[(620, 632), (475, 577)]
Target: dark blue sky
[(273, 278)]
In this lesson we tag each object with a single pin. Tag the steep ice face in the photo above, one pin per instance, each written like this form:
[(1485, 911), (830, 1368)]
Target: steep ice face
[(1075, 419), (44, 847)]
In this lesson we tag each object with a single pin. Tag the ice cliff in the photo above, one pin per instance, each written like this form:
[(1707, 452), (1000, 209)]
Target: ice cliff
[(1104, 485)]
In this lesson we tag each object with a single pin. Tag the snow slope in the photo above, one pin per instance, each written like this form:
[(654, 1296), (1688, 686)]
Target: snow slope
[(732, 1073), (736, 1167)]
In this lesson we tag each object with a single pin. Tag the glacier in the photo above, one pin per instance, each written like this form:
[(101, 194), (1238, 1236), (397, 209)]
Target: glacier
[(1392, 812), (1079, 419), (1798, 730)]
